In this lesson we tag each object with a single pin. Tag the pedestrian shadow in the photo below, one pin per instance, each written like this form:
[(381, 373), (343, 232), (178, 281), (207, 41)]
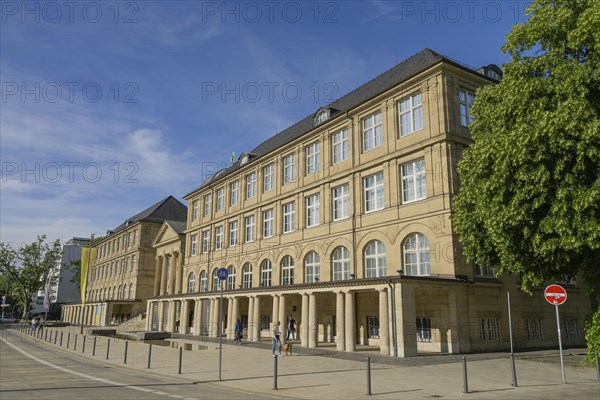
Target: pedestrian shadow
[(491, 390)]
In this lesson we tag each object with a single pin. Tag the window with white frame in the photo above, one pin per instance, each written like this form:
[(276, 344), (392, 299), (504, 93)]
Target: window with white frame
[(216, 281), (289, 168), (207, 204), (268, 178), (287, 271), (413, 181), (194, 249), (267, 230), (206, 241), (372, 132), (489, 330), (195, 210), (247, 276), (231, 277), (416, 255), (233, 233), (312, 267), (249, 228), (373, 189), (191, 283), (534, 330), (340, 260), (219, 237), (423, 329), (203, 282), (339, 146), (375, 260), (234, 192), (571, 329), (266, 273), (465, 99), (341, 202), (313, 210), (411, 114), (251, 185), (220, 198), (313, 158), (372, 327), (289, 217)]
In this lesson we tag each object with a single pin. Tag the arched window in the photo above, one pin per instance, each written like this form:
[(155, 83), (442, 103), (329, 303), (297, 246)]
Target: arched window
[(108, 295), (231, 277), (203, 281), (247, 280), (287, 271), (266, 273), (312, 267), (416, 255), (340, 260), (216, 282), (131, 291), (191, 283), (375, 259), (133, 263), (104, 295), (115, 293)]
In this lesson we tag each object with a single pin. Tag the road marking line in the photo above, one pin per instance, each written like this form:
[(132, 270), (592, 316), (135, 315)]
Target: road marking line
[(69, 371)]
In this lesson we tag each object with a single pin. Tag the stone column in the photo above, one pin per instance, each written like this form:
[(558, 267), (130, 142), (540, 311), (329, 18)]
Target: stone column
[(230, 319), (350, 322), (283, 319), (163, 276), (197, 317), (250, 330), (275, 313), (184, 317), (304, 324), (157, 276), (171, 317), (313, 328), (384, 323), (161, 315), (340, 317), (256, 336), (212, 331), (235, 315), (179, 279), (171, 277), (149, 315), (406, 315)]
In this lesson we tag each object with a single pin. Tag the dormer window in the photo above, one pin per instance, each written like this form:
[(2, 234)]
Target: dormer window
[(244, 158), (322, 115)]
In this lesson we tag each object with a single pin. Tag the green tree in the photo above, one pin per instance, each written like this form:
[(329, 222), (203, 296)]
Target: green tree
[(28, 267), (529, 201)]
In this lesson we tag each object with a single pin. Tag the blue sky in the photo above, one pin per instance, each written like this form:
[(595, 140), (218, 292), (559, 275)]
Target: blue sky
[(108, 107)]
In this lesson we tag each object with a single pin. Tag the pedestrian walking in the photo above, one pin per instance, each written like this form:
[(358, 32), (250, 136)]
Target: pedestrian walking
[(239, 328), (276, 339), (291, 328)]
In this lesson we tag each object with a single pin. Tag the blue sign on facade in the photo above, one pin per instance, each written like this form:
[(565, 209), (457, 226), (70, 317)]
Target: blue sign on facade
[(222, 273)]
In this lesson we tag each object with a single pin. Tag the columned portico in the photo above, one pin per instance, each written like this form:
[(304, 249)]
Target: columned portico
[(305, 323), (313, 328), (350, 322), (163, 276), (384, 326), (256, 331), (341, 321)]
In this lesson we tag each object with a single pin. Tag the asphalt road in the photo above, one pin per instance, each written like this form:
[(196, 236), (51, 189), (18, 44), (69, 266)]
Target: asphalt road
[(29, 370)]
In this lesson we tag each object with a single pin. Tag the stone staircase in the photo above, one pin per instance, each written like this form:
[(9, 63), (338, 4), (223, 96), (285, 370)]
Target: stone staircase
[(133, 325)]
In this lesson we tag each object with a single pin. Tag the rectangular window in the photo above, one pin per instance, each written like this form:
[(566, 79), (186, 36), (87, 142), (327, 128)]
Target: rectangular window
[(265, 322), (413, 181), (219, 237), (371, 127), (484, 271), (249, 228), (571, 329), (489, 330), (341, 202), (313, 158), (534, 330), (373, 327), (207, 205), (233, 233), (251, 185), (269, 178), (205, 242), (465, 99), (373, 189), (289, 217), (423, 329), (220, 198), (194, 249), (268, 223), (195, 210), (411, 114), (313, 210), (234, 193), (339, 146), (289, 168)]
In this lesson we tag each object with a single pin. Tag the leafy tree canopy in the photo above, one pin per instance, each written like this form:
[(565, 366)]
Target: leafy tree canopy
[(27, 267), (530, 184)]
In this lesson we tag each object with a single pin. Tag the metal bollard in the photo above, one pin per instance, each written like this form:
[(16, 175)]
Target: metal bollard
[(107, 348), (55, 336), (514, 370), (94, 347), (125, 355), (61, 337), (369, 376), (465, 380), (180, 358), (149, 355), (275, 371), (45, 335), (75, 343), (68, 339), (597, 365), (83, 345)]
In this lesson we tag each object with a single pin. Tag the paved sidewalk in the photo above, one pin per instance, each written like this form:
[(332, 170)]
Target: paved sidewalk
[(250, 367)]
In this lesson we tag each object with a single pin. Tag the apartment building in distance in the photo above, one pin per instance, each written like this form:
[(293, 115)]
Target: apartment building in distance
[(122, 274), (342, 222)]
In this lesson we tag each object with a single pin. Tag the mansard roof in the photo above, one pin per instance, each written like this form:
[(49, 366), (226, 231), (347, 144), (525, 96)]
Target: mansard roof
[(168, 208)]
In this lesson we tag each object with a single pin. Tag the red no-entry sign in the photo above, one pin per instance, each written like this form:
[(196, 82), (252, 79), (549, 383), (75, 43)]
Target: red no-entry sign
[(555, 295)]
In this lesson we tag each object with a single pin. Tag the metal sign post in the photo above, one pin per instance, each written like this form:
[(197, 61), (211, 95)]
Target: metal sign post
[(557, 295), (512, 354), (222, 274)]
